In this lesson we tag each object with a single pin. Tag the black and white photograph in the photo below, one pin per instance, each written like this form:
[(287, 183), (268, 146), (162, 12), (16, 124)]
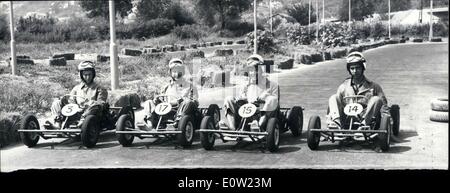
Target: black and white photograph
[(224, 84)]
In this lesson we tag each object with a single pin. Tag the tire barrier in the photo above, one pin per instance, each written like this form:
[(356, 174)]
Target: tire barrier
[(439, 110), (131, 52), (67, 56), (286, 64), (57, 61)]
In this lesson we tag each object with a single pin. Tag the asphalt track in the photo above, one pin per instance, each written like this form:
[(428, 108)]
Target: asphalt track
[(410, 74)]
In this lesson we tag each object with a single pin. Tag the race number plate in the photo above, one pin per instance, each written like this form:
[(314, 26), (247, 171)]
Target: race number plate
[(163, 108), (353, 109), (70, 109), (247, 110)]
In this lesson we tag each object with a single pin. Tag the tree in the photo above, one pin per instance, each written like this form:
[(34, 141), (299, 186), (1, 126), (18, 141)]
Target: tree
[(167, 9), (4, 34), (100, 8), (381, 6), (360, 9), (299, 12), (224, 10)]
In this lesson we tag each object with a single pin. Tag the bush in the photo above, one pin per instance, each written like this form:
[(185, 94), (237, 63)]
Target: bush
[(153, 28), (298, 35), (36, 25), (239, 28), (190, 32), (378, 30), (265, 41)]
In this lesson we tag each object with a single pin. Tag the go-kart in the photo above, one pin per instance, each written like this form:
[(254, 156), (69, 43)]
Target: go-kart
[(354, 128), (169, 125), (75, 126), (249, 130)]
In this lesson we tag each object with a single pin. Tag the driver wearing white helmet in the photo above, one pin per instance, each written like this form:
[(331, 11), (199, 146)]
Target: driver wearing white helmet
[(357, 84), (92, 96), (180, 86), (258, 88)]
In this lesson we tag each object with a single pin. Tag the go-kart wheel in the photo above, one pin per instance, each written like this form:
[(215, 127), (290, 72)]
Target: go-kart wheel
[(384, 138), (125, 121), (273, 139), (207, 139), (214, 112), (295, 120), (89, 131), (313, 138), (395, 114), (29, 122), (186, 127)]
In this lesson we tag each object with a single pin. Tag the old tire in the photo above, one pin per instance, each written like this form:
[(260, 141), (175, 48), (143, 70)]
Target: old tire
[(273, 137), (29, 122), (124, 121), (395, 114), (295, 120), (438, 116), (89, 131), (207, 139), (439, 105), (384, 138), (186, 126), (313, 138)]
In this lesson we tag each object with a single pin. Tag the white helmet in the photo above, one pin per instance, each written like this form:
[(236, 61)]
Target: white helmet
[(356, 58), (175, 62), (86, 65)]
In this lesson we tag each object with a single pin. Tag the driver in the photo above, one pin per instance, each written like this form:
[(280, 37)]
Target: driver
[(357, 84), (258, 89), (180, 86), (92, 96)]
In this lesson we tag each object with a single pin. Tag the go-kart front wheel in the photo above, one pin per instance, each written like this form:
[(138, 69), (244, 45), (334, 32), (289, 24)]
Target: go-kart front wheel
[(89, 131), (125, 121), (186, 127), (384, 138), (273, 137), (29, 122), (395, 113), (295, 120), (313, 138), (207, 139)]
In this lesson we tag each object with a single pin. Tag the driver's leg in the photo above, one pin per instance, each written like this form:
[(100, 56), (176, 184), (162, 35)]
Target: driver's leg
[(335, 113), (56, 113), (373, 109), (187, 107), (230, 107), (269, 109)]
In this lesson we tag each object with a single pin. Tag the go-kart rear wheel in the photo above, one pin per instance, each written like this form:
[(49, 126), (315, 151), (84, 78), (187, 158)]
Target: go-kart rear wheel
[(273, 137), (395, 113), (295, 120), (89, 131), (313, 138), (29, 122), (124, 122), (207, 139), (186, 127), (384, 138)]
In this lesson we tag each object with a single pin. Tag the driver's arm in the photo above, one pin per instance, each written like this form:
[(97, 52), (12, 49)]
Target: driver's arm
[(271, 91), (102, 95), (72, 99), (378, 91)]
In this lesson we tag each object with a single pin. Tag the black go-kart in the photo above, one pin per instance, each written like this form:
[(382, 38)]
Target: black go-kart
[(354, 129), (249, 129), (181, 128), (75, 126)]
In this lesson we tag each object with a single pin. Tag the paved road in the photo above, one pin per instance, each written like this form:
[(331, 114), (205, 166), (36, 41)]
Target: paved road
[(410, 74)]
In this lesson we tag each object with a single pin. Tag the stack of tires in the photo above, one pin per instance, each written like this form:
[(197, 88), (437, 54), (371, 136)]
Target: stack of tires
[(439, 110)]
